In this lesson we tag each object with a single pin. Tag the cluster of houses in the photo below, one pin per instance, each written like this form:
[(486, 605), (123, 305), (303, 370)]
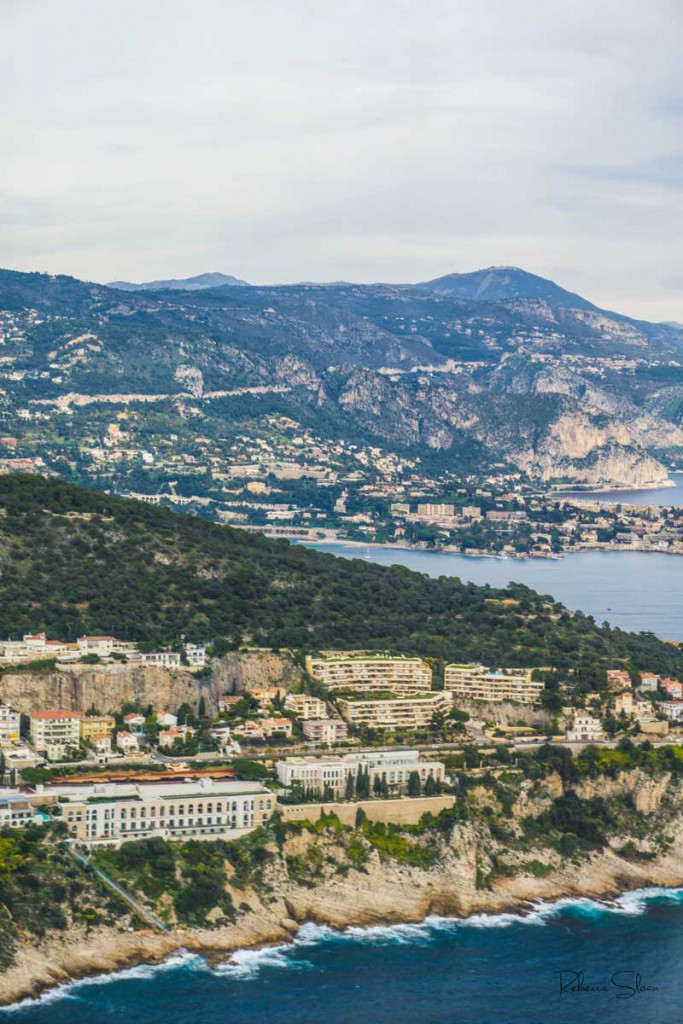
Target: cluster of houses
[(110, 812), (37, 647), (639, 705)]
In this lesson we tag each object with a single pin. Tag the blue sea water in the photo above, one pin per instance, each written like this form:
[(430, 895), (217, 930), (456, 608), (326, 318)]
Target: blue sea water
[(635, 590), (502, 969)]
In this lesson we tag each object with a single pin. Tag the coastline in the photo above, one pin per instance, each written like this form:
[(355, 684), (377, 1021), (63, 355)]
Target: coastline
[(344, 542), (626, 488), (106, 953)]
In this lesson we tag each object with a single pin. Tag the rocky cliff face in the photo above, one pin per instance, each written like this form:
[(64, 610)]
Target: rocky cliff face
[(543, 418), (338, 879), (247, 670), (107, 687)]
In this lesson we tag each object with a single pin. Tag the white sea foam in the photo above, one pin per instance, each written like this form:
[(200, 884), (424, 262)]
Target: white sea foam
[(69, 990), (248, 963), (245, 964)]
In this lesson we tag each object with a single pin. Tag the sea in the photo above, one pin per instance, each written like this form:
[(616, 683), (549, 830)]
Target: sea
[(635, 590), (572, 962)]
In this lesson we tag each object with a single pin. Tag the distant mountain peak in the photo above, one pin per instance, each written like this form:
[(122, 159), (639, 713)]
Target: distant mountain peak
[(186, 284), (495, 284)]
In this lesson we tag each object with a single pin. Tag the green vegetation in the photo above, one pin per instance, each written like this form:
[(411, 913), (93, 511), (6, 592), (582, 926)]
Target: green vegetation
[(42, 889), (140, 572)]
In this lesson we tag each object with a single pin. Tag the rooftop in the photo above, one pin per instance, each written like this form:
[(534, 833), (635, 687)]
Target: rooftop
[(60, 713)]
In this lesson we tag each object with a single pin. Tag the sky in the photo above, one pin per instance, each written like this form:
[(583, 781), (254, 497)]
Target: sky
[(363, 140)]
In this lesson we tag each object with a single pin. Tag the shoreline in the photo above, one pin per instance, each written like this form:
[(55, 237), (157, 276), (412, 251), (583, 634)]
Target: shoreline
[(614, 488), (344, 542), (106, 955)]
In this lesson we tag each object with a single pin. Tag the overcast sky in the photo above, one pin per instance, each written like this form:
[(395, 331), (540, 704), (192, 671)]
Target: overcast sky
[(393, 140)]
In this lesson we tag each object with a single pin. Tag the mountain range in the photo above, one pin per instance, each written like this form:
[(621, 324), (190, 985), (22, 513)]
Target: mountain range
[(187, 284), (500, 365)]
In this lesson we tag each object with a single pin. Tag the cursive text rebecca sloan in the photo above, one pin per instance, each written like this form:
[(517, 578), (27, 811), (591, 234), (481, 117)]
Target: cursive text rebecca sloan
[(622, 984)]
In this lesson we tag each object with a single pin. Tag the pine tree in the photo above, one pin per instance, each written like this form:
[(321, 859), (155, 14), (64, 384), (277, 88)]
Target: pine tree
[(348, 794), (414, 784)]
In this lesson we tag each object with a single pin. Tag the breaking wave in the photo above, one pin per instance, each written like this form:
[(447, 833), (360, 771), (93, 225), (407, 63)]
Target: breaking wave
[(247, 964)]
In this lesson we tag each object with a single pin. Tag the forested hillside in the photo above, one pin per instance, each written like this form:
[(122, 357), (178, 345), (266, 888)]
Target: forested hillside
[(73, 561)]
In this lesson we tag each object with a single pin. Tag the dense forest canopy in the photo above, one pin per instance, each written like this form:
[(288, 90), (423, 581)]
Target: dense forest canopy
[(74, 561)]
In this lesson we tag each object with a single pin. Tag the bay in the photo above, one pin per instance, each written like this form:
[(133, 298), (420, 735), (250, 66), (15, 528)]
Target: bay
[(503, 969), (635, 590)]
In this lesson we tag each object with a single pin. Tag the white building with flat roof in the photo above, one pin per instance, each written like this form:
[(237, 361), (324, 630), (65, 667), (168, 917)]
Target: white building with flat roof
[(327, 731), (52, 732), (371, 672), (305, 706), (391, 711), (478, 682), (585, 729), (392, 767), (172, 809), (16, 811)]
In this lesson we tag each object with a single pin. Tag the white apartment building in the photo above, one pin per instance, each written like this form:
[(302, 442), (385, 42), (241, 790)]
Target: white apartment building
[(585, 729), (196, 655), (17, 812), (172, 810), (167, 659), (321, 773), (305, 707), (673, 709), (325, 730), (431, 510), (9, 725), (368, 672), (477, 682), (51, 732), (410, 712)]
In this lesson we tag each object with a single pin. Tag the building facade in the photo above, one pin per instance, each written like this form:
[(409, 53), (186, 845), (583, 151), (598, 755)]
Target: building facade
[(51, 732), (304, 706), (585, 729), (325, 730), (172, 810), (96, 725), (477, 682), (407, 675), (394, 712), (331, 773), (10, 721)]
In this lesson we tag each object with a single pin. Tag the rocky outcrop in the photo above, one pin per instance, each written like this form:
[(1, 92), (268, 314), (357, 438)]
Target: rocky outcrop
[(383, 892), (107, 687), (247, 670)]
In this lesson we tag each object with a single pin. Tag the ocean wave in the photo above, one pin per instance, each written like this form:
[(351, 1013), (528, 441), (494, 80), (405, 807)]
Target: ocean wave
[(69, 990), (248, 963)]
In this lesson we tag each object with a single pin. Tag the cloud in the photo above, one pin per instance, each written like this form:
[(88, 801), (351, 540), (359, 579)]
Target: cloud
[(366, 140)]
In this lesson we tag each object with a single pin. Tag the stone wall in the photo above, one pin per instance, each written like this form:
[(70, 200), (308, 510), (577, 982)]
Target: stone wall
[(401, 811)]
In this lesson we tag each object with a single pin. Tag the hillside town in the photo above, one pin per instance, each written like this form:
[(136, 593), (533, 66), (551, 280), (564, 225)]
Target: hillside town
[(287, 480), (357, 726)]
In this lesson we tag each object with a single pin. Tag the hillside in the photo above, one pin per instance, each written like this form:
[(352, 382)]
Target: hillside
[(75, 561), (189, 284), (497, 367), (496, 283)]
